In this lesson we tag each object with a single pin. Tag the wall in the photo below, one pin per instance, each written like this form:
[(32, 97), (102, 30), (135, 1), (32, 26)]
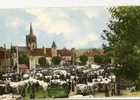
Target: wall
[(33, 61)]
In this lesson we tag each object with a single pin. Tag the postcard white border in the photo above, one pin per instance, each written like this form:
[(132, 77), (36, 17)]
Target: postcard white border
[(64, 3)]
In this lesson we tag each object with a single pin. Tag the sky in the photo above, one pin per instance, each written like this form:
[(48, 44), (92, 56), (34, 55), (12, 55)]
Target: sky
[(69, 27)]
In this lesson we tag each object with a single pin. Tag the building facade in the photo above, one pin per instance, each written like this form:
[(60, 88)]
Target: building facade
[(31, 41), (5, 60), (34, 53)]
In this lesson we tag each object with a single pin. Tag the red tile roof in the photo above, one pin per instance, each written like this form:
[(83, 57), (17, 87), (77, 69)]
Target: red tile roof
[(102, 52), (48, 52), (92, 53), (23, 66), (41, 52), (22, 48), (4, 54), (64, 52)]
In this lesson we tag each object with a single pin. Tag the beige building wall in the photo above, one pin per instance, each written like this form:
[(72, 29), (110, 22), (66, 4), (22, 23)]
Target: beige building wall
[(4, 64), (54, 52), (33, 61)]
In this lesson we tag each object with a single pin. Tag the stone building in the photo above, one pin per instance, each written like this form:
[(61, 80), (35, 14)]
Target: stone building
[(68, 56), (31, 41), (34, 53), (5, 61)]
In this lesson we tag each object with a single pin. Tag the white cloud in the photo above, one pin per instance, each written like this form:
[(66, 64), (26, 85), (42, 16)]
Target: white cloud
[(52, 21), (84, 41), (75, 24), (15, 23), (89, 11)]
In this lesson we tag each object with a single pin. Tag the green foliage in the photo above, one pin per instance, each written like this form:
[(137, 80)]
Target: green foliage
[(57, 92), (23, 59), (102, 59), (40, 93), (42, 61), (12, 62), (123, 39), (98, 59), (13, 49), (106, 59), (56, 60), (83, 59)]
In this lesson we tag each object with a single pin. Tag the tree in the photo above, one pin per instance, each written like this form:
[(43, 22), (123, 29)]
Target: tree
[(102, 59), (83, 59), (108, 54), (24, 59), (106, 59), (56, 60), (124, 41), (98, 59), (42, 61)]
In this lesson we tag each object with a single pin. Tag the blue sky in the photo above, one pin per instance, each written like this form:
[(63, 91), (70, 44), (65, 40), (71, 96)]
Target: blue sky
[(69, 27)]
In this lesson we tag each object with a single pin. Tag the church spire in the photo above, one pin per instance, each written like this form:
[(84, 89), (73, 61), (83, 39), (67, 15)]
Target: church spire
[(31, 41), (31, 30), (53, 45)]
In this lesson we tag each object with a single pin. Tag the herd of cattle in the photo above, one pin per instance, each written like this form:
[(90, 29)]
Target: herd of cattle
[(82, 79)]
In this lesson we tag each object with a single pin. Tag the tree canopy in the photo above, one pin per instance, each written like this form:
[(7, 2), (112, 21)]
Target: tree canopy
[(56, 60), (123, 39), (98, 59), (23, 59), (102, 59), (43, 62), (83, 59)]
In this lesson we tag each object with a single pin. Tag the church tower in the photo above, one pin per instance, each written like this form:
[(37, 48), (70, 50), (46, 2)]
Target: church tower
[(31, 41), (54, 51)]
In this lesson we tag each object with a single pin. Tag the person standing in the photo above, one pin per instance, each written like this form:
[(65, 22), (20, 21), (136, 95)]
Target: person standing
[(112, 89), (106, 90)]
